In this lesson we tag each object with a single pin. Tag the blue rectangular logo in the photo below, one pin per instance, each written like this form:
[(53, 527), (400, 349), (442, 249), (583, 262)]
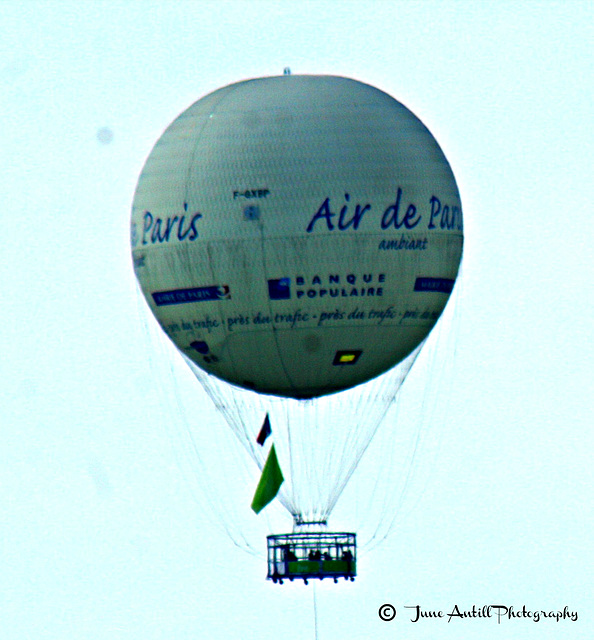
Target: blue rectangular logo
[(198, 294), (442, 285), (279, 289)]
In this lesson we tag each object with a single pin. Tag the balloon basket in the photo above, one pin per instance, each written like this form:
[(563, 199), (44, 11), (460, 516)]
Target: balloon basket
[(315, 555)]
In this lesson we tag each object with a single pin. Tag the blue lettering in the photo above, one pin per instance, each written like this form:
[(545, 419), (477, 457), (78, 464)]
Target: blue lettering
[(356, 219), (161, 230), (410, 219), (445, 218), (456, 218), (435, 209), (392, 215), (169, 224), (450, 217), (343, 221), (148, 223), (155, 236), (323, 212), (195, 219), (191, 232)]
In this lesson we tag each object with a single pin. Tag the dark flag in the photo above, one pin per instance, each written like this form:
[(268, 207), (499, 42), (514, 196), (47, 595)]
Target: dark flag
[(265, 431)]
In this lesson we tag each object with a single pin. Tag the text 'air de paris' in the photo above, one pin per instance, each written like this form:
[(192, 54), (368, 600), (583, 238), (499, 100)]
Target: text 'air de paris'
[(398, 215)]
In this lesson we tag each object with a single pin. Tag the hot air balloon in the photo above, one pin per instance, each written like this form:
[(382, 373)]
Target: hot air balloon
[(297, 238)]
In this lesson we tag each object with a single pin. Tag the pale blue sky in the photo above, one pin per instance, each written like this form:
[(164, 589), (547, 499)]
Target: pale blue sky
[(101, 536)]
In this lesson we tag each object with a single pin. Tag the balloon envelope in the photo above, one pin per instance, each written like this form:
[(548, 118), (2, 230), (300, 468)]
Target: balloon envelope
[(297, 235)]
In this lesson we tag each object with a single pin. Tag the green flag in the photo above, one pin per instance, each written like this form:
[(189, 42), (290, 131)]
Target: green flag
[(270, 482)]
